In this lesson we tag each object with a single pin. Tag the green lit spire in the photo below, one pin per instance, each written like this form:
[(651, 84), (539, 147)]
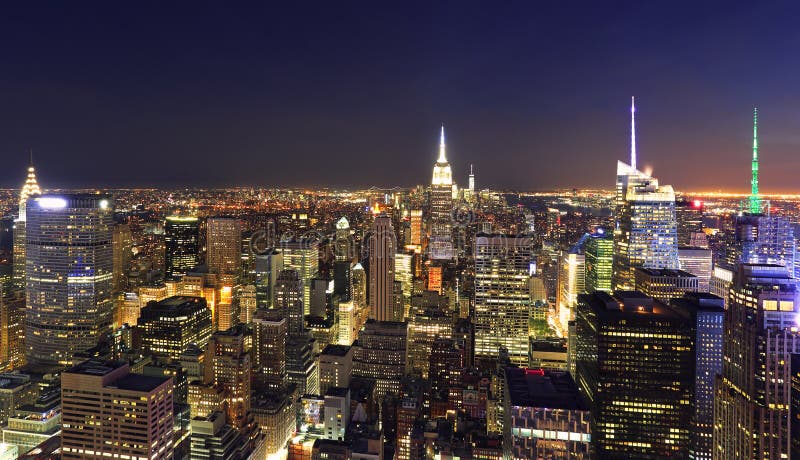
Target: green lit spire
[(755, 201)]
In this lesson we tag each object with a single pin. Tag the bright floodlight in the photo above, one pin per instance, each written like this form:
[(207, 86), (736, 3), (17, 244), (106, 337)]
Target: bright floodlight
[(51, 202)]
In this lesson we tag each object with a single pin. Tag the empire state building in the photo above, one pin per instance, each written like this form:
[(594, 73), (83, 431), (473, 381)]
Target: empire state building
[(441, 205)]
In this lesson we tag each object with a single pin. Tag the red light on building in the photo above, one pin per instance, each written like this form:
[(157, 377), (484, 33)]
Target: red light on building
[(697, 204), (539, 372)]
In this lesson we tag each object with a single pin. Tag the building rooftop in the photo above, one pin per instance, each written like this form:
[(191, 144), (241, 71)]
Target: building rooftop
[(665, 272), (12, 381), (552, 345), (139, 382), (630, 304), (543, 388), (96, 367), (338, 392), (336, 350)]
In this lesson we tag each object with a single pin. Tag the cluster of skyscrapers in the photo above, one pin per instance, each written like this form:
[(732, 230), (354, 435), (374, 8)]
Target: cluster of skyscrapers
[(385, 324)]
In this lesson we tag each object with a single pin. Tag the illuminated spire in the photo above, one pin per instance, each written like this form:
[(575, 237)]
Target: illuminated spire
[(633, 134), (29, 189), (442, 156), (755, 201)]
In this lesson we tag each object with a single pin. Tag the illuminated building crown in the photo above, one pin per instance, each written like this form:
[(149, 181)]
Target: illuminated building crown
[(442, 175), (29, 189)]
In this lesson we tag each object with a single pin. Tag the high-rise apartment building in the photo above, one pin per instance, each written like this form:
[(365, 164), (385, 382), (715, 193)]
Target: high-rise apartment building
[(108, 412), (335, 367), (223, 245), (635, 364), (440, 245), (181, 245), (424, 327), (69, 265), (751, 407), (267, 267), (382, 246), (12, 332), (502, 299)]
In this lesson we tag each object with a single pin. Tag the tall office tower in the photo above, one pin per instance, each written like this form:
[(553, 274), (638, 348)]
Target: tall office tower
[(662, 284), (502, 300), (754, 200), (698, 262), (705, 312), (548, 417), (303, 256), (181, 245), (646, 233), (471, 182), (424, 328), (214, 438), (228, 365), (571, 282), (380, 354), (108, 412), (403, 272), (763, 239), (751, 407), (224, 245), (445, 364), (69, 264), (300, 363), (29, 189), (689, 214), (170, 326), (268, 265), (248, 302), (599, 256), (382, 245), (440, 245), (359, 287), (635, 363), (289, 299), (12, 332), (343, 245), (416, 227), (335, 367), (269, 349), (122, 247)]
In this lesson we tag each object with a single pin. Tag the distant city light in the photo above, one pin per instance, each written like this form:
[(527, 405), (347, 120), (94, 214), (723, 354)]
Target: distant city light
[(103, 204)]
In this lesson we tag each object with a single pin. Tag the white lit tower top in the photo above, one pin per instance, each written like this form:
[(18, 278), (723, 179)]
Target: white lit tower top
[(29, 189), (442, 175)]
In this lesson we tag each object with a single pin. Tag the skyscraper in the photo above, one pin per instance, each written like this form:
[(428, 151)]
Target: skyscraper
[(228, 365), (382, 245), (440, 245), (646, 233), (635, 363), (699, 262), (302, 255), (181, 245), (224, 245), (29, 189), (599, 256), (122, 248), (705, 312), (69, 264), (502, 299), (108, 412), (751, 411), (269, 349), (571, 282), (169, 326)]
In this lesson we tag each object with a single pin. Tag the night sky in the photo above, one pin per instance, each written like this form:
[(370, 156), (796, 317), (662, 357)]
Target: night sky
[(344, 93)]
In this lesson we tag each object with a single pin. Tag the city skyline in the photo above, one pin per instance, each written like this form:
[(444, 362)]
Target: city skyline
[(512, 91)]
